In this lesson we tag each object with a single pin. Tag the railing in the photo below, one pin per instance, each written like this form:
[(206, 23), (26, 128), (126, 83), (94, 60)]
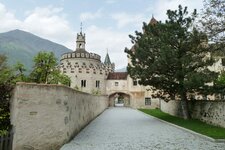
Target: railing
[(6, 141)]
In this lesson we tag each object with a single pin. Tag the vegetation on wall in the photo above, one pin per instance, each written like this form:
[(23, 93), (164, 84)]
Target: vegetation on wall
[(6, 86), (44, 71)]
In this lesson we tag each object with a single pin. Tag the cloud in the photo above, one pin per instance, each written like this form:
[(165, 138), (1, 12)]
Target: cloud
[(91, 16), (160, 7), (8, 20), (48, 23), (99, 40), (123, 19)]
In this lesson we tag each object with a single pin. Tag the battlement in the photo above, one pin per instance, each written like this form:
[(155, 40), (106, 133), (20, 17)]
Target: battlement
[(81, 55)]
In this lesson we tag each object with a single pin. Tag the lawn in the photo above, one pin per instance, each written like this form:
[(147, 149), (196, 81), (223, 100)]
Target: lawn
[(192, 124)]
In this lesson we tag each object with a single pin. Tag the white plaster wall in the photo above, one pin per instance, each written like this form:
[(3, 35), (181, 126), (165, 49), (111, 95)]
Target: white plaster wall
[(45, 117), (87, 73)]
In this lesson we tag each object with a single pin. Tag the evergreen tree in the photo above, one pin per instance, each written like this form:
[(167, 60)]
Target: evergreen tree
[(172, 58)]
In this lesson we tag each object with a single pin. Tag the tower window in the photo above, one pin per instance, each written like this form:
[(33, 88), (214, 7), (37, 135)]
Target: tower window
[(97, 84), (83, 83), (80, 45)]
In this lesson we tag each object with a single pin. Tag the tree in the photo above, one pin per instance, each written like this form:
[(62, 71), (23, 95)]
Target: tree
[(172, 58), (19, 70), (46, 71), (44, 65), (213, 20), (6, 86)]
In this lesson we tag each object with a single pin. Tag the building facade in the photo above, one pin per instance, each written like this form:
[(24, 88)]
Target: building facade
[(86, 71), (90, 75)]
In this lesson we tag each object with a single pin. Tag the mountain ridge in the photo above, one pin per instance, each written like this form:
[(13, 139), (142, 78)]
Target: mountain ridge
[(22, 46)]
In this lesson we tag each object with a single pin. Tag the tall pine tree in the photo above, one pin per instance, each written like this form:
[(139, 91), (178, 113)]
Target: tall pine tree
[(172, 57)]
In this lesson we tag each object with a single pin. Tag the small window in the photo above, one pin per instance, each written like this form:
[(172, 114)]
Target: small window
[(135, 82), (83, 83), (116, 83), (147, 101), (223, 61), (97, 84)]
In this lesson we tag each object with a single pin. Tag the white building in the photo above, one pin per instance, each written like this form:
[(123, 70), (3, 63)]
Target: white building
[(89, 74)]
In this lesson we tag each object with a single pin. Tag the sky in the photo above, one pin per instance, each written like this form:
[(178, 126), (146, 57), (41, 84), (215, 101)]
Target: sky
[(106, 23)]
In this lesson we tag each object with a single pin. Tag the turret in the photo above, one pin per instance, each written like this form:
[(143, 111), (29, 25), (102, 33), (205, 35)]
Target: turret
[(80, 41)]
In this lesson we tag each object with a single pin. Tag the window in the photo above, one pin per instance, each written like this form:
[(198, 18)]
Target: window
[(83, 83), (223, 61), (135, 82), (116, 83), (147, 101), (97, 84)]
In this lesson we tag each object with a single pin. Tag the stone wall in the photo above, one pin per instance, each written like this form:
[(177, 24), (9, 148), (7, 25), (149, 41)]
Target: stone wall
[(211, 112), (45, 117)]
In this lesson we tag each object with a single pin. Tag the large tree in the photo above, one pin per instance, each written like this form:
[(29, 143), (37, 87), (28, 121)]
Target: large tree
[(213, 20), (172, 57)]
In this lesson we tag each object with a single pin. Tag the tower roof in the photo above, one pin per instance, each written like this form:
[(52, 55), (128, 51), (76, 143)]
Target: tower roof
[(117, 76), (153, 21), (107, 60)]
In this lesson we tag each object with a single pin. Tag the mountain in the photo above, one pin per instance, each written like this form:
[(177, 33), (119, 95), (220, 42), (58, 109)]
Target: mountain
[(124, 69), (21, 46)]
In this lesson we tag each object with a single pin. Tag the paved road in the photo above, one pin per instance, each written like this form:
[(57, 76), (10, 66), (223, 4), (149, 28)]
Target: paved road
[(129, 129)]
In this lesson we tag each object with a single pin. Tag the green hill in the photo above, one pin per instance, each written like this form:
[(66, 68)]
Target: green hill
[(22, 46)]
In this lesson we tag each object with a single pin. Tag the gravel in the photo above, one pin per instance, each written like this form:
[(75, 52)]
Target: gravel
[(121, 128)]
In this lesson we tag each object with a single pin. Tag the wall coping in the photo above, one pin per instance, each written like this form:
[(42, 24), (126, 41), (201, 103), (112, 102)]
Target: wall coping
[(53, 85)]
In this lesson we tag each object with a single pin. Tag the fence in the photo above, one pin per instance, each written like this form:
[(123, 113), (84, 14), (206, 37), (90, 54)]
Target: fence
[(6, 141)]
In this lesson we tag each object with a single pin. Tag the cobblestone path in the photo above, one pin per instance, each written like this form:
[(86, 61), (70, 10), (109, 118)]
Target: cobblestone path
[(129, 129)]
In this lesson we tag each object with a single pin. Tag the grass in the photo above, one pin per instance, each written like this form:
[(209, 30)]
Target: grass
[(192, 124)]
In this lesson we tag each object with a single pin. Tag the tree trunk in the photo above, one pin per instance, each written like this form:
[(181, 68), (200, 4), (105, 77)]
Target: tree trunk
[(184, 106)]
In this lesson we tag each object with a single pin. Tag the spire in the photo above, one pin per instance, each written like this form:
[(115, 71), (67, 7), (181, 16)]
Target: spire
[(107, 59), (153, 20), (81, 27)]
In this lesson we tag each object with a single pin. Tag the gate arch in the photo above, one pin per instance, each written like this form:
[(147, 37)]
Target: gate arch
[(119, 98)]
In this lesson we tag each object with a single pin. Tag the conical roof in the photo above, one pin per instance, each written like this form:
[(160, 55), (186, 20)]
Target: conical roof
[(153, 21), (107, 60)]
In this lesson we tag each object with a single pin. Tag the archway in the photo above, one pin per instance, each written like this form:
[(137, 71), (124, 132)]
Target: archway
[(119, 99)]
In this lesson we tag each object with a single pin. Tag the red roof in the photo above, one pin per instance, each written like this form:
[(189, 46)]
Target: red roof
[(153, 21), (117, 76)]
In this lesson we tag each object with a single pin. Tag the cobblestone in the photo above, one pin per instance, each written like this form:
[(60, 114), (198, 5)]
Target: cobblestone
[(129, 129)]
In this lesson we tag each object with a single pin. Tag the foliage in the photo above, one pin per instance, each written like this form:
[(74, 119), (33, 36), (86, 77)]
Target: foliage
[(96, 92), (193, 124), (6, 86), (56, 77), (76, 88), (46, 71), (20, 70), (219, 85), (213, 20), (172, 57)]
